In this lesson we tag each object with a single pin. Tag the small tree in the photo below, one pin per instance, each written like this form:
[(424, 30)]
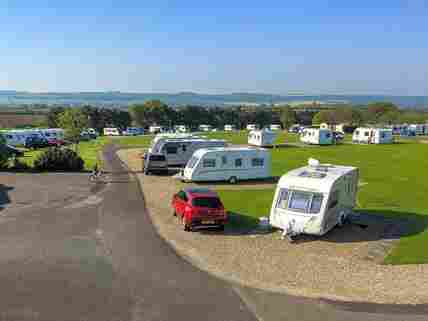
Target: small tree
[(73, 121), (4, 155), (288, 117)]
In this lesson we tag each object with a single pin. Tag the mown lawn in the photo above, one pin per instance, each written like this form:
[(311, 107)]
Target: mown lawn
[(396, 184), (87, 150)]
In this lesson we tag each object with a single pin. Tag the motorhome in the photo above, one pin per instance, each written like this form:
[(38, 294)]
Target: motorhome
[(181, 129), (178, 151), (230, 164), (314, 198), (252, 127), (317, 136), (373, 136), (205, 128), (156, 129), (262, 138), (275, 127), (229, 128), (111, 132)]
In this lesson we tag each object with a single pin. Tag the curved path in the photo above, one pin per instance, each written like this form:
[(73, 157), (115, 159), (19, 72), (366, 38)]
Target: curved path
[(74, 251)]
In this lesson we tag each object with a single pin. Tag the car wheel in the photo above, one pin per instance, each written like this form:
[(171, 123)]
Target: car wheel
[(233, 180), (186, 227), (221, 228)]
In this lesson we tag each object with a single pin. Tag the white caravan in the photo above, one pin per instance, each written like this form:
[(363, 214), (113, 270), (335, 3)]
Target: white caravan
[(181, 129), (160, 138), (16, 137), (275, 127), (229, 128), (111, 132), (417, 129), (252, 127), (178, 151), (372, 136), (205, 128), (57, 133), (317, 136), (315, 198), (262, 138), (228, 164), (156, 129)]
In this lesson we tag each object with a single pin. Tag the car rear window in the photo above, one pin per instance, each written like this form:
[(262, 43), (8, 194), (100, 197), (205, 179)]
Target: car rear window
[(157, 158), (210, 202)]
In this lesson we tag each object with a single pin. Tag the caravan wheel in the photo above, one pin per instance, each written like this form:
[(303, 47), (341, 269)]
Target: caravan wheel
[(233, 180)]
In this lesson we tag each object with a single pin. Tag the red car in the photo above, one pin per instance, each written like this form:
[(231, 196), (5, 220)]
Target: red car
[(198, 207), (55, 142)]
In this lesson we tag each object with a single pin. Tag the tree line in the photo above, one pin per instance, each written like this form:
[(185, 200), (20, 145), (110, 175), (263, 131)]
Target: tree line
[(155, 112)]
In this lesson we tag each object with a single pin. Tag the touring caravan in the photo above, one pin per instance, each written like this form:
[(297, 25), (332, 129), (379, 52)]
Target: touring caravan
[(181, 129), (156, 129), (252, 127), (56, 133), (372, 136), (262, 138), (178, 151), (205, 128), (416, 129), (160, 138), (316, 136), (111, 132), (315, 198), (230, 164), (275, 127), (16, 137), (229, 128)]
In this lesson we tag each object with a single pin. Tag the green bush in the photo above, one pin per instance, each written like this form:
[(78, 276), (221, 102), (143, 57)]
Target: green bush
[(59, 159), (4, 157)]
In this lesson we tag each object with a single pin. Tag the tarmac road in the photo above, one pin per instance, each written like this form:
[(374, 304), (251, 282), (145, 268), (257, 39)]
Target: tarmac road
[(70, 250)]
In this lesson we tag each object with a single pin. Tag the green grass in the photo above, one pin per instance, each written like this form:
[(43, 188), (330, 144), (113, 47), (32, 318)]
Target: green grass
[(396, 185), (141, 141), (87, 150)]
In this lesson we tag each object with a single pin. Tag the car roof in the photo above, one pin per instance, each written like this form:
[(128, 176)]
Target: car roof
[(200, 192)]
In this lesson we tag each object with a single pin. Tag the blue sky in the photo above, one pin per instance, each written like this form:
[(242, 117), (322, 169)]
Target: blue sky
[(272, 46)]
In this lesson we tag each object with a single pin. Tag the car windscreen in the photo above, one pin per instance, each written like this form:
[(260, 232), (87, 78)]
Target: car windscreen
[(210, 202)]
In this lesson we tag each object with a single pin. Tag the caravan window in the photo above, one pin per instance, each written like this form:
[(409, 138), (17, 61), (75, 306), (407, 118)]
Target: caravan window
[(224, 160), (366, 134), (283, 199), (209, 163), (238, 162), (183, 148), (316, 204), (300, 201), (257, 162)]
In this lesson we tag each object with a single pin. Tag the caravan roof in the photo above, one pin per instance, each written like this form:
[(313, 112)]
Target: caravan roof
[(200, 152), (314, 178)]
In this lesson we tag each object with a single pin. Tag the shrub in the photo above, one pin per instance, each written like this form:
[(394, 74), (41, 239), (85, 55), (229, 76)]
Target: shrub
[(4, 157), (59, 159)]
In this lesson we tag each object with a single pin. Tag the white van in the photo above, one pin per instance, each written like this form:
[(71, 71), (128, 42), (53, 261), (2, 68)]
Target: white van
[(315, 198), (111, 132), (373, 136), (262, 138), (228, 164), (178, 151), (317, 136)]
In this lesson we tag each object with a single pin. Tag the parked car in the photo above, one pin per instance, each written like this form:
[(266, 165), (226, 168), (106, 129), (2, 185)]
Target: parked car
[(36, 142), (155, 163), (199, 207), (11, 150)]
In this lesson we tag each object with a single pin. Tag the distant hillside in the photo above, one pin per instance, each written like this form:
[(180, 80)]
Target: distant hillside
[(117, 99)]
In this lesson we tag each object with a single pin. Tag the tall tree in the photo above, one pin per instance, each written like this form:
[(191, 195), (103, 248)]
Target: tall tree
[(288, 117), (377, 109), (152, 112), (52, 116), (73, 121)]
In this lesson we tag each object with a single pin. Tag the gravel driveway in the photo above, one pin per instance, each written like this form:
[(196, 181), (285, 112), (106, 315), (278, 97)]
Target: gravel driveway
[(338, 266)]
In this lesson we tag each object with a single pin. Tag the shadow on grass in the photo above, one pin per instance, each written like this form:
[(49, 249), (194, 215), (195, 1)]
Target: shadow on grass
[(4, 196), (373, 225)]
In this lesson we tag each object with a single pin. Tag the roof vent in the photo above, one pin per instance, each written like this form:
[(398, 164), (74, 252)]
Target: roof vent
[(310, 174), (313, 162)]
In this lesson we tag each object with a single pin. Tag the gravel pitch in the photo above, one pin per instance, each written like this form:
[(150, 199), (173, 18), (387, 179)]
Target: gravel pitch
[(343, 265)]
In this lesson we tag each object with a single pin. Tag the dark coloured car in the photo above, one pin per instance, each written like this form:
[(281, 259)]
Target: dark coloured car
[(11, 150), (155, 163), (199, 207), (35, 142), (338, 136)]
